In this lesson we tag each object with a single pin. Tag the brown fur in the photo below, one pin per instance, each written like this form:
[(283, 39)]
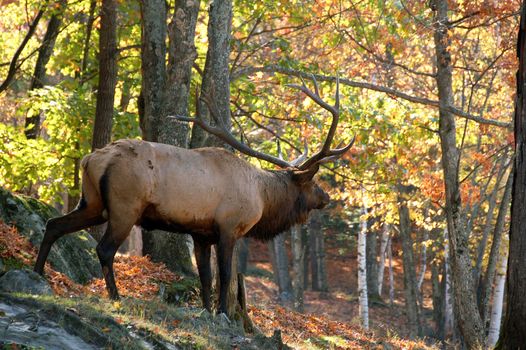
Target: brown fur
[(208, 192)]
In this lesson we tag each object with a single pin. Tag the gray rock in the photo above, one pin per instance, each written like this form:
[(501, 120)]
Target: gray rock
[(24, 281), (2, 267), (73, 254)]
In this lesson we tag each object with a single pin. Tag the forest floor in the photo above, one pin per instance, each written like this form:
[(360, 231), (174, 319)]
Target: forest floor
[(142, 318), (340, 303)]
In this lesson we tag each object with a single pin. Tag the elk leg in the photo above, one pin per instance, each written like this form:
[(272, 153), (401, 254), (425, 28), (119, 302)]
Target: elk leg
[(224, 258), (202, 257), (106, 249), (76, 220)]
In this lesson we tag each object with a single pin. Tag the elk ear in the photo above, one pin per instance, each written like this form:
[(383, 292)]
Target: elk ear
[(303, 176)]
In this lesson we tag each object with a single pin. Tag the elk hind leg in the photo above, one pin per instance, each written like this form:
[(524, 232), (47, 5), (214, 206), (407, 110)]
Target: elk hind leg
[(202, 252), (119, 227), (80, 218)]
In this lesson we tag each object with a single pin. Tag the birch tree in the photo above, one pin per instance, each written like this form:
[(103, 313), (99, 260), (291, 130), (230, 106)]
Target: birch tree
[(362, 267), (498, 300)]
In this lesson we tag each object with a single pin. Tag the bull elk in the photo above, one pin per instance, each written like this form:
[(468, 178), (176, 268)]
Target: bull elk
[(209, 193)]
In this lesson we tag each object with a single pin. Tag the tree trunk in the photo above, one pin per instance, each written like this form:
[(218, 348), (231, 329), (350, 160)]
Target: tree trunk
[(466, 310), (487, 285), (492, 202), (298, 253), (438, 301), (514, 328), (383, 252), (32, 126), (362, 270), (391, 275), (281, 269), (107, 74), (181, 56), (153, 67), (372, 264), (317, 253), (423, 263), (498, 299), (216, 75), (410, 285), (242, 259), (448, 287)]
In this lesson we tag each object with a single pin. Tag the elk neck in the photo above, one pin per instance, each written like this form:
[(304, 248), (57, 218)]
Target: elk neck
[(284, 205)]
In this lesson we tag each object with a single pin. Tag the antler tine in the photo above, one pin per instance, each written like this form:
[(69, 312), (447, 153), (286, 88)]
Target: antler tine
[(303, 156), (278, 145), (326, 150)]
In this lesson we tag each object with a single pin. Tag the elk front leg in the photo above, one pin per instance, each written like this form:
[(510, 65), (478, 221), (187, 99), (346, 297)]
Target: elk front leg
[(224, 258), (202, 256)]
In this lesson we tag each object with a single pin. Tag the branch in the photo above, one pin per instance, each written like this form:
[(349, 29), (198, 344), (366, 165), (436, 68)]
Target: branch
[(391, 92), (13, 66)]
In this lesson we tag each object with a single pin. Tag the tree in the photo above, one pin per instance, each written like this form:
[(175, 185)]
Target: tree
[(317, 252), (466, 310), (362, 267), (298, 263), (165, 93), (14, 65), (410, 284), (280, 267), (44, 53), (107, 74), (514, 327)]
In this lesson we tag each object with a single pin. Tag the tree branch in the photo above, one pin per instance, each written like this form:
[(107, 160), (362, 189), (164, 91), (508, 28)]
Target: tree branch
[(391, 92), (13, 66)]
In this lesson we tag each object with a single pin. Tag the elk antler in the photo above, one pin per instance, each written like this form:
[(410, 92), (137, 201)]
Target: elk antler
[(325, 154)]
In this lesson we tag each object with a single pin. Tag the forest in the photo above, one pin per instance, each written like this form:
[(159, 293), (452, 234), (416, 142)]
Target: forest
[(409, 115)]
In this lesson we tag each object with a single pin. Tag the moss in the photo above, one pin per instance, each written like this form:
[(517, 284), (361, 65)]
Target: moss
[(12, 264), (182, 291)]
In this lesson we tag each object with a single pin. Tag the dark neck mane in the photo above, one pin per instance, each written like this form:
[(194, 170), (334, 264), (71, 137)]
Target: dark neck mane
[(285, 205)]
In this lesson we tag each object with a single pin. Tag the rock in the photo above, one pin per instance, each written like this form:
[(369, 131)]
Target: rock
[(2, 267), (24, 281), (73, 254)]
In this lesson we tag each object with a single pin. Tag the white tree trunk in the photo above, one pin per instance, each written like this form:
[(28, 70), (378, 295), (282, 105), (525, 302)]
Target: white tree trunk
[(423, 262), (383, 252), (498, 298), (362, 270)]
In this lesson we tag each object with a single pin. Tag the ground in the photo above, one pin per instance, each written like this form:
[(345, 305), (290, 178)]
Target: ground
[(143, 318)]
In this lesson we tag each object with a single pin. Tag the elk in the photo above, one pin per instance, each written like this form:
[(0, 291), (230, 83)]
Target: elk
[(208, 192)]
